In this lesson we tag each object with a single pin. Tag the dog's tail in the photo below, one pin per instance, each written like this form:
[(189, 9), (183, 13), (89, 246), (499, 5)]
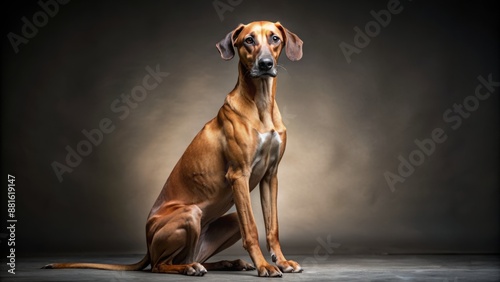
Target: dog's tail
[(122, 267)]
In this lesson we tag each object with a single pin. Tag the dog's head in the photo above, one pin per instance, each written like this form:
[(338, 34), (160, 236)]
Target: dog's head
[(259, 46)]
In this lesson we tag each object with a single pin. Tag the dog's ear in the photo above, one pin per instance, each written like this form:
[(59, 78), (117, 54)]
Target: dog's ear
[(226, 45), (293, 44)]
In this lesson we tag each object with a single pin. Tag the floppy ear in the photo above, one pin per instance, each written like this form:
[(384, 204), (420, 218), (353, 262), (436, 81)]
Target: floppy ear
[(293, 44), (225, 46)]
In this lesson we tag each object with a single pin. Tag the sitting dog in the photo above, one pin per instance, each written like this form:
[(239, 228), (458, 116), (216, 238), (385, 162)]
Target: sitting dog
[(234, 152)]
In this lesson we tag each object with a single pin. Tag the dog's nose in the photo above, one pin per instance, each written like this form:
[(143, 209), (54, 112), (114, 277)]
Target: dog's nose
[(265, 64)]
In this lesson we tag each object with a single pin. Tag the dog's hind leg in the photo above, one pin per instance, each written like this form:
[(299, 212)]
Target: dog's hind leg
[(173, 234)]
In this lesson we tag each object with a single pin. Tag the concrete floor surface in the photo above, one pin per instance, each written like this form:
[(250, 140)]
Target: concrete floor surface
[(449, 268)]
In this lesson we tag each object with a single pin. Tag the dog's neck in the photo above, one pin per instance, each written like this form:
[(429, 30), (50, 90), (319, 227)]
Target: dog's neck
[(261, 92)]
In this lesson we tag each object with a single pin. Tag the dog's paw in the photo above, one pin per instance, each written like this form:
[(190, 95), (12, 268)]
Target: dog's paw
[(240, 264), (268, 270), (231, 265), (289, 266), (195, 269)]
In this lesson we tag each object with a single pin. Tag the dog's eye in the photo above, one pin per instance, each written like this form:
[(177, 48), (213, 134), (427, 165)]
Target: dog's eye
[(275, 38), (249, 40)]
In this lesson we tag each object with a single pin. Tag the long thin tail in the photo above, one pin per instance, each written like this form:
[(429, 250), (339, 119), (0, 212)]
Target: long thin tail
[(123, 267)]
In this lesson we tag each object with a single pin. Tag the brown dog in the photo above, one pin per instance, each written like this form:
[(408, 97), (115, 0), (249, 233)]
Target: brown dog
[(238, 149)]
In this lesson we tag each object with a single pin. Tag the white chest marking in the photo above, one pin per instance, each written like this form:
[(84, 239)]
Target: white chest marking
[(268, 150)]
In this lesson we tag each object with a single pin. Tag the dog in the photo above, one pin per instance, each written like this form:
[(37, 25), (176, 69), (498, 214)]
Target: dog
[(234, 152)]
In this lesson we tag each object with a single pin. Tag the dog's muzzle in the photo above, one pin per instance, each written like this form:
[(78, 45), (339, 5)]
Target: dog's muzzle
[(264, 67)]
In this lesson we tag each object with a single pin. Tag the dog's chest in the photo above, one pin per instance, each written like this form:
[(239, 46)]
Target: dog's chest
[(266, 155)]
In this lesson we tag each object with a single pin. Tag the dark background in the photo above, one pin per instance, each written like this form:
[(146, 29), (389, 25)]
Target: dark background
[(347, 122)]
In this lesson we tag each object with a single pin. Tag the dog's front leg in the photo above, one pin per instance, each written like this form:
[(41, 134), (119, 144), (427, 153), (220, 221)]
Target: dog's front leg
[(269, 201), (249, 235)]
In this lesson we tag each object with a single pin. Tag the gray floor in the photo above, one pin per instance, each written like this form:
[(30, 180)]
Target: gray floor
[(336, 268)]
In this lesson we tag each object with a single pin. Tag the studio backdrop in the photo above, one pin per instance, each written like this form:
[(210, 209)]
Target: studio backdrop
[(392, 119)]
